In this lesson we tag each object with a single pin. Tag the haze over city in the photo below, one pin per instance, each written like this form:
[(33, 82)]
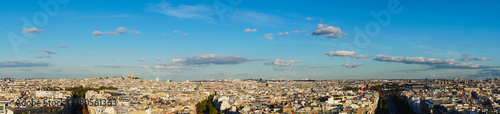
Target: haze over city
[(197, 40)]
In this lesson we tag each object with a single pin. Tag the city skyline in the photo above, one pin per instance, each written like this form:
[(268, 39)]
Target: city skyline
[(191, 40)]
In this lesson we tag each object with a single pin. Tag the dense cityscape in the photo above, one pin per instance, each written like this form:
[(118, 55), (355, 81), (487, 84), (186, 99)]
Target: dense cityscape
[(249, 57), (133, 95)]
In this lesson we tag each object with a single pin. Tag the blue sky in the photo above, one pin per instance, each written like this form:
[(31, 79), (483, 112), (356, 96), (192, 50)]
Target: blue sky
[(217, 39)]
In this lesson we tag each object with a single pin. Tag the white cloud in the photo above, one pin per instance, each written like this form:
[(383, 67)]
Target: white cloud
[(248, 30), (309, 18), (283, 33), (97, 33), (432, 62), (269, 36), (341, 53), (354, 65), (328, 31), (136, 32), (122, 30), (119, 30), (208, 59), (42, 56), (163, 67), (49, 52), (158, 59), (111, 33), (175, 31), (141, 59), (23, 63), (279, 62), (469, 58), (351, 54), (59, 47), (32, 30), (184, 11), (359, 56), (115, 66)]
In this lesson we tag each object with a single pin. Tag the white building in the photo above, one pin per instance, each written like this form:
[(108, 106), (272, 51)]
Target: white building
[(3, 105)]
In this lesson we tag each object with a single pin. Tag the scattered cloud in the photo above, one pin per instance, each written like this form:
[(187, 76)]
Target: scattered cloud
[(488, 73), (279, 62), (198, 11), (416, 70), (97, 33), (118, 31), (248, 30), (269, 36), (164, 66), (158, 59), (351, 54), (32, 30), (49, 52), (136, 32), (309, 18), (469, 58), (298, 31), (23, 63), (354, 65), (111, 33), (328, 31), (482, 74), (283, 33), (208, 59), (46, 51), (432, 62), (359, 56), (141, 59), (115, 66), (42, 56), (60, 46), (175, 31), (220, 73)]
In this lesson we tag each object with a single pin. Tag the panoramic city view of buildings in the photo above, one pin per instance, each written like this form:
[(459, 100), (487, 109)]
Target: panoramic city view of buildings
[(249, 57), (132, 95)]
